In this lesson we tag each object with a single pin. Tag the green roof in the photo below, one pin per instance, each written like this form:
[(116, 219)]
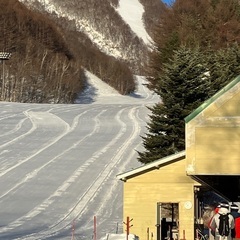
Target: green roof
[(212, 99)]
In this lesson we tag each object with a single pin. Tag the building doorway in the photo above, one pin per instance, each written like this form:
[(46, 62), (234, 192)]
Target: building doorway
[(167, 221)]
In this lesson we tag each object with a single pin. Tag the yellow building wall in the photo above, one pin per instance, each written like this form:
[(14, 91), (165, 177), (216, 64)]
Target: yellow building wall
[(143, 192), (213, 136)]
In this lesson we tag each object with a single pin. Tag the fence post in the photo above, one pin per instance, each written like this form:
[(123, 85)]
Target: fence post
[(183, 236), (95, 228), (73, 229), (128, 227)]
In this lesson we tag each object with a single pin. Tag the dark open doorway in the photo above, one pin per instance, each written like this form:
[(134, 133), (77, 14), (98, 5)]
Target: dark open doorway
[(167, 221)]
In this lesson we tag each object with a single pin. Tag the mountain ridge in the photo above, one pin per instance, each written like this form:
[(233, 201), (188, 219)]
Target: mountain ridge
[(113, 36), (51, 50)]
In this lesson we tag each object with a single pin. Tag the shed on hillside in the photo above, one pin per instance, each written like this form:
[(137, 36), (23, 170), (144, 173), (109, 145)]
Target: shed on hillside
[(210, 162)]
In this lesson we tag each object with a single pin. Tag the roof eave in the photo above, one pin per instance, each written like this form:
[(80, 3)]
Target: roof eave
[(153, 165)]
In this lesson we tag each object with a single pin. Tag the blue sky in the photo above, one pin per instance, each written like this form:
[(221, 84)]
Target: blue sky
[(168, 1)]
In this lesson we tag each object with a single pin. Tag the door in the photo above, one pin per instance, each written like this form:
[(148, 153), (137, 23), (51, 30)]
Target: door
[(167, 221)]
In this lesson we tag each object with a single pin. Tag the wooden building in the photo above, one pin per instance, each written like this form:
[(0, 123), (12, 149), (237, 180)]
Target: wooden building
[(211, 162)]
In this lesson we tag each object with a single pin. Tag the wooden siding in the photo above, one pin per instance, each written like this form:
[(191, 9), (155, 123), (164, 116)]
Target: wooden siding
[(167, 184), (217, 150), (213, 137), (226, 105)]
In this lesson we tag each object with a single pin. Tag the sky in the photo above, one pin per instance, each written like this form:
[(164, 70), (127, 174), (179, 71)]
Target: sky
[(168, 1)]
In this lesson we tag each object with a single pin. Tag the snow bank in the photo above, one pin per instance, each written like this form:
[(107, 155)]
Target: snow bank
[(113, 236)]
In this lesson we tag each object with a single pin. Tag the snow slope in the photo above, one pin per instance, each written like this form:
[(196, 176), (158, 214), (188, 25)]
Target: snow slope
[(58, 163), (132, 12), (99, 92)]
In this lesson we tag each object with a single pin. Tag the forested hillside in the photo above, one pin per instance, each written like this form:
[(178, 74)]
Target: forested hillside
[(50, 45), (197, 53), (42, 67), (208, 24)]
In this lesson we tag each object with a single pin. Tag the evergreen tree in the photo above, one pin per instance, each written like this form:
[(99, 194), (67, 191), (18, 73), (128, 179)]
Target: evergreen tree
[(205, 23), (183, 85), (224, 66)]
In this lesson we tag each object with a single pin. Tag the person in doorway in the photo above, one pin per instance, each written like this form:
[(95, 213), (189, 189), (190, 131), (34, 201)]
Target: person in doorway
[(215, 210), (223, 223), (236, 215), (164, 229), (234, 210)]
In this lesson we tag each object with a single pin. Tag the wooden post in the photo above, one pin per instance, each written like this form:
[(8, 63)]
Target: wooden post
[(183, 236), (95, 228), (73, 229), (128, 227)]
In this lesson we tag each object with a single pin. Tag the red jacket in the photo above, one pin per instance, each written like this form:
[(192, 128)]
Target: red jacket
[(237, 227)]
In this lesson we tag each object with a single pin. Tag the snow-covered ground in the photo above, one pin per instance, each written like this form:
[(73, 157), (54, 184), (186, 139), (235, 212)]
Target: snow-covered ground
[(58, 163), (99, 92)]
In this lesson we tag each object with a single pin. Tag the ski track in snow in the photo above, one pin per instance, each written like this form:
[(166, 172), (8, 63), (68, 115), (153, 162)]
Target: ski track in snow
[(123, 156), (61, 131)]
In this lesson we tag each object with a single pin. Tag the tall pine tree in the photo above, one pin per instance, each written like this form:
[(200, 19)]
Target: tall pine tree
[(182, 85), (224, 66), (205, 23)]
